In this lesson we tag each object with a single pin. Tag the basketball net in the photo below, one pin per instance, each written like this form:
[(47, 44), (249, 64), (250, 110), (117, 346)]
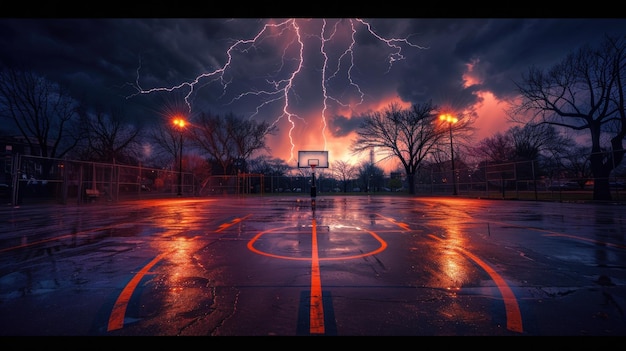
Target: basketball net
[(313, 168)]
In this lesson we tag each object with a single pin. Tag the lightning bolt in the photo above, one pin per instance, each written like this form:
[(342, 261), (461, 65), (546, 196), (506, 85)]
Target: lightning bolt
[(337, 40)]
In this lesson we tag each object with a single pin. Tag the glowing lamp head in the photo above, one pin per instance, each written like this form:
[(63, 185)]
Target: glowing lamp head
[(179, 122), (448, 118)]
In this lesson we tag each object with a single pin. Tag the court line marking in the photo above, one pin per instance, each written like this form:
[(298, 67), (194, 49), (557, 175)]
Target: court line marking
[(514, 321), (382, 247), (392, 220), (116, 318), (513, 314), (231, 223), (316, 313), (316, 310)]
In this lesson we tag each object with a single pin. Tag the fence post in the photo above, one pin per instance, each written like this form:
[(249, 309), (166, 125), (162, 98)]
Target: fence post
[(64, 189), (79, 198), (532, 167), (15, 171)]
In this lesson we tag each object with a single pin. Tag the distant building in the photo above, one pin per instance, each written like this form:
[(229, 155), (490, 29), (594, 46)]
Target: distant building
[(9, 147)]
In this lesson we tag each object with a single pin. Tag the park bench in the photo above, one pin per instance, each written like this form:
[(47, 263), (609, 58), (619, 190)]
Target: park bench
[(92, 193)]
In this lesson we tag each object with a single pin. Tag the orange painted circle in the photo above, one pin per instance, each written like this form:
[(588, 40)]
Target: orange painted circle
[(383, 246)]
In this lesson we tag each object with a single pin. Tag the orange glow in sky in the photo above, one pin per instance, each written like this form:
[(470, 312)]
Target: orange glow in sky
[(310, 77), (491, 120), (311, 136), (491, 116)]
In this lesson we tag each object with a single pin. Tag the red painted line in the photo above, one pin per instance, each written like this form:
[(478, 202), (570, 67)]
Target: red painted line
[(116, 319), (382, 247), (56, 238), (231, 223), (21, 246), (317, 306), (399, 224), (513, 314)]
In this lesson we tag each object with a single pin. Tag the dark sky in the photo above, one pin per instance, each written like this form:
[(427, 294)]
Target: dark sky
[(313, 77)]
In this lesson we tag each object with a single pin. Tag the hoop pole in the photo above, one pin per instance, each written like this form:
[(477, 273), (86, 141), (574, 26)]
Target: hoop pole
[(313, 187)]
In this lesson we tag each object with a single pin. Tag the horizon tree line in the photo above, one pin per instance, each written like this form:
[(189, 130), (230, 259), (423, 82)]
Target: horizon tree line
[(583, 92)]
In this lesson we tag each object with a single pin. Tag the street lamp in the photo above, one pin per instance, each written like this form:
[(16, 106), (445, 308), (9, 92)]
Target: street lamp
[(451, 120), (180, 123)]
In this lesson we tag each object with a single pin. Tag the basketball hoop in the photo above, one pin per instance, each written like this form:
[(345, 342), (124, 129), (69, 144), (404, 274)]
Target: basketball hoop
[(313, 159)]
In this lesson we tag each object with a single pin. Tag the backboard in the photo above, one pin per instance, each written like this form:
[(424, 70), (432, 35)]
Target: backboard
[(319, 159)]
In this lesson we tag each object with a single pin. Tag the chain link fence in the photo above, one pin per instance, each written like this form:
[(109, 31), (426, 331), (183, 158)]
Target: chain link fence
[(514, 180), (32, 179)]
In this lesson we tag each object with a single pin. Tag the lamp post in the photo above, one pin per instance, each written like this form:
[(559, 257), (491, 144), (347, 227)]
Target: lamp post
[(180, 123), (451, 120)]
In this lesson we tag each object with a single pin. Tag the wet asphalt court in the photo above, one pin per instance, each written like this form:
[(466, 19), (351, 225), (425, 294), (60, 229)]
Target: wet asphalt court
[(288, 266)]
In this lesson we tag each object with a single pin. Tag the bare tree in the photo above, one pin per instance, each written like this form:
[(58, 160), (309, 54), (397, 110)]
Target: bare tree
[(166, 140), (408, 135), (585, 91), (268, 166), (517, 143), (248, 136), (498, 148), (532, 140), (229, 140), (211, 137), (42, 111), (578, 164), (344, 172), (198, 167), (370, 176), (110, 139)]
